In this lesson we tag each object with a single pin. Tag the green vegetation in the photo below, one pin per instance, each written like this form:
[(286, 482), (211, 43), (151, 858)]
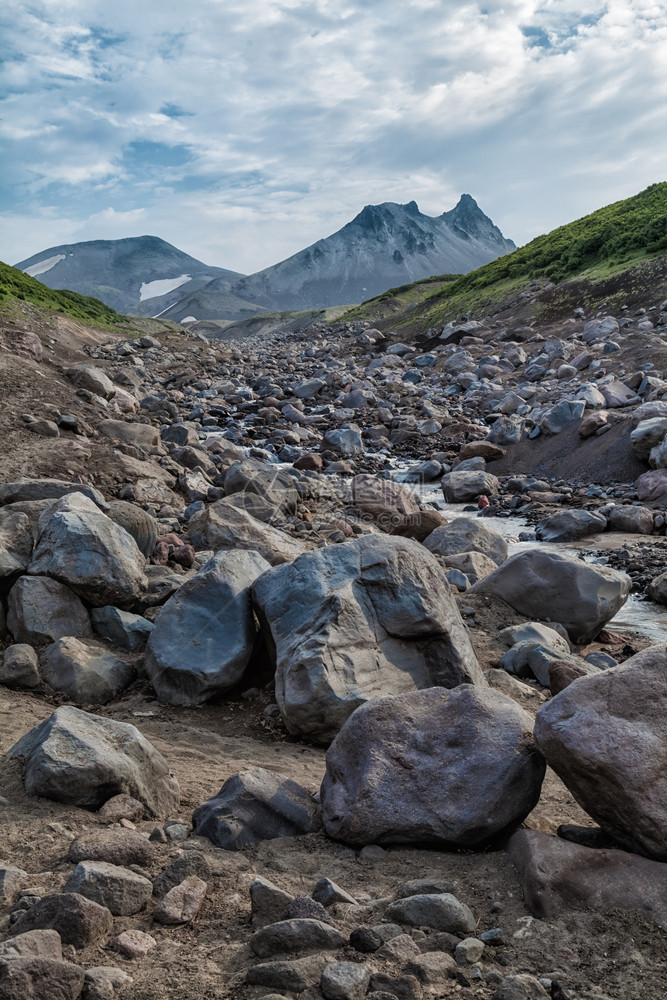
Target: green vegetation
[(625, 231), (395, 300), (14, 284)]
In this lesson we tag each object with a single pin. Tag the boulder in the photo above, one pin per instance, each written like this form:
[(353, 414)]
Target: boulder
[(600, 329), (84, 759), (256, 805), (93, 379), (275, 487), (205, 634), (223, 525), (538, 583), (124, 629), (143, 436), (557, 876), (182, 903), (296, 936), (122, 891), (646, 435), (38, 944), (570, 525), (92, 555), (606, 738), (657, 589), (16, 543), (350, 622), (617, 394), (459, 487), (386, 502), (475, 565), (467, 534), (484, 449), (26, 489), (20, 667), (452, 767), (418, 526), (346, 442), (137, 522), (442, 911), (41, 610), (36, 978), (85, 673), (562, 415), (629, 519), (116, 847), (79, 921), (652, 487)]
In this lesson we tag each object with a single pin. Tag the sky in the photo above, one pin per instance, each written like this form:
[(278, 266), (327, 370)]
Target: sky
[(241, 131)]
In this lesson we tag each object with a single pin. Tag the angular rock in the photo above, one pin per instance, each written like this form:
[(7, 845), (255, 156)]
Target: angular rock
[(296, 936), (134, 943), (12, 881), (121, 807), (520, 987), (223, 525), (139, 435), (536, 583), (93, 556), (84, 759), (122, 891), (383, 987), (432, 968), (137, 522), (606, 738), (117, 847), (295, 976), (443, 912), (569, 526), (557, 876), (327, 893), (38, 944), (182, 903), (346, 442), (31, 978), (345, 981), (20, 667), (205, 634), (441, 766), (562, 415), (41, 610), (466, 534), (652, 487), (79, 921), (388, 503), (267, 902), (272, 485), (256, 805), (459, 487), (16, 543), (84, 673), (646, 435), (93, 379), (42, 489), (633, 520), (353, 621), (124, 629), (418, 526)]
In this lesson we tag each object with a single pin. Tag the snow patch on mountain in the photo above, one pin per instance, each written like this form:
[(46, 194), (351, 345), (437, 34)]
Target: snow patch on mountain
[(42, 266), (151, 289)]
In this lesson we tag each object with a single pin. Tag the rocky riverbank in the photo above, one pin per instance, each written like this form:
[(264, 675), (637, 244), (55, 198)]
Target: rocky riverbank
[(274, 723)]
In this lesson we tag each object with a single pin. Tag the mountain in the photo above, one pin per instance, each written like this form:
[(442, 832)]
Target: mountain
[(617, 254), (385, 245), (15, 286), (141, 275)]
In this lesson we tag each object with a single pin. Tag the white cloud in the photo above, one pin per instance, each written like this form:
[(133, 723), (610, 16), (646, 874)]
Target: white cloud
[(299, 112)]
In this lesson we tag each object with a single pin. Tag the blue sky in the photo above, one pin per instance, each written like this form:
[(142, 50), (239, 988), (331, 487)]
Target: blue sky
[(243, 131)]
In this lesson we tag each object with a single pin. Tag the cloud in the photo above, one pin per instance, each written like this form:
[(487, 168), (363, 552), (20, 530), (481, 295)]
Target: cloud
[(244, 131)]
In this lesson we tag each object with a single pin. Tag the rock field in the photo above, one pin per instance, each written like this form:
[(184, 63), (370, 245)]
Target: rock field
[(306, 687)]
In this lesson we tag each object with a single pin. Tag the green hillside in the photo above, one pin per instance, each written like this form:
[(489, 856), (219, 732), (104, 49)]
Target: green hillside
[(594, 247), (14, 284)]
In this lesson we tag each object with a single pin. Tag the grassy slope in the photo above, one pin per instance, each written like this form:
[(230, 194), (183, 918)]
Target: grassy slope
[(15, 285), (594, 248)]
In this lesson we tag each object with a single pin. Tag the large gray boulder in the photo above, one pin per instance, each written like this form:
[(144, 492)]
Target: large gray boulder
[(570, 525), (542, 584), (256, 805), (26, 489), (41, 610), (385, 502), (355, 621), (454, 767), (143, 436), (85, 673), (460, 487), (137, 522), (224, 525), (92, 555), (467, 534), (93, 379), (16, 543), (84, 760), (606, 737), (275, 487), (647, 435), (205, 634)]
